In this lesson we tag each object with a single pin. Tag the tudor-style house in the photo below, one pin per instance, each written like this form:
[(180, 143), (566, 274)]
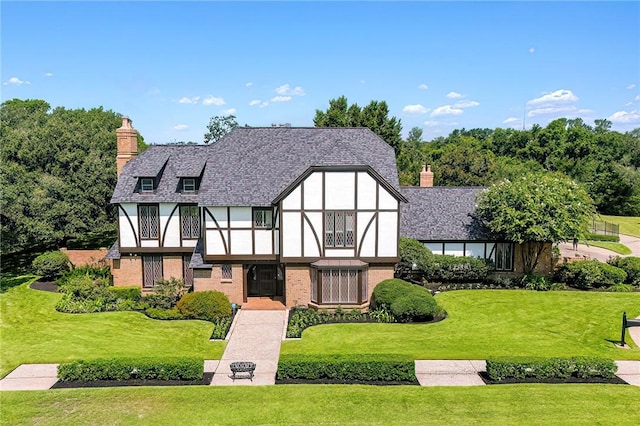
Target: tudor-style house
[(308, 216)]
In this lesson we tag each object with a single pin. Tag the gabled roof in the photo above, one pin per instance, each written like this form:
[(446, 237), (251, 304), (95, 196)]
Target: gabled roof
[(252, 166), (440, 213)]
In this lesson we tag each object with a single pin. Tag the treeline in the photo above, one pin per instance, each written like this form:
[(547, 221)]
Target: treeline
[(606, 162), (57, 175)]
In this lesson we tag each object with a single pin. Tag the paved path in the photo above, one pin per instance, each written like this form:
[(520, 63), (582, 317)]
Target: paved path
[(450, 372), (590, 252), (255, 337), (31, 377)]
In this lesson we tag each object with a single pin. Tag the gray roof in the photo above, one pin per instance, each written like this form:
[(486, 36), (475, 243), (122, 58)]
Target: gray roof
[(252, 166), (114, 251), (197, 258), (440, 214), (178, 161)]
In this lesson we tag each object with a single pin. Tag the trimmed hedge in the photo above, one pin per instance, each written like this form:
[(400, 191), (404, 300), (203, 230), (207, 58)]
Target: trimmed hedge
[(587, 274), (502, 368), (183, 368), (446, 268), (631, 265), (205, 305), (600, 237), (126, 293), (164, 314), (347, 368), (407, 302)]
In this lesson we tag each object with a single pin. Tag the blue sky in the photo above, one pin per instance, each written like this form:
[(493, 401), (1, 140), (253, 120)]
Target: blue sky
[(170, 66)]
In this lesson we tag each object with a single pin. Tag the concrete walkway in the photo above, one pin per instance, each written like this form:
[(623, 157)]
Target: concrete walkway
[(255, 337), (590, 252), (450, 372), (31, 377)]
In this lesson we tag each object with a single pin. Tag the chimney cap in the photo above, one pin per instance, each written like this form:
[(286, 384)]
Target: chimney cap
[(126, 122)]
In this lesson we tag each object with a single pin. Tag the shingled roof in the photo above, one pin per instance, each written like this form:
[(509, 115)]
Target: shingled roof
[(251, 166), (440, 213)]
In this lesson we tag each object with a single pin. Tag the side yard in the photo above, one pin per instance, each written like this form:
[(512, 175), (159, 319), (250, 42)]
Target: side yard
[(34, 332), (484, 323)]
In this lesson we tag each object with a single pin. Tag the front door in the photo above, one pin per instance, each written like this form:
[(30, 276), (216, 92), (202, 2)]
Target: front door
[(261, 280)]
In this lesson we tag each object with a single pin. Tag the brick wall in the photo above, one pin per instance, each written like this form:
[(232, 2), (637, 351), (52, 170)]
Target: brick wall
[(127, 271), (210, 279), (85, 257), (376, 275), (172, 267), (297, 285)]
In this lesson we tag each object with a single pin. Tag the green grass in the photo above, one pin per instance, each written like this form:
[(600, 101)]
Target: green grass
[(309, 404), (609, 245), (484, 323), (32, 331), (629, 225)]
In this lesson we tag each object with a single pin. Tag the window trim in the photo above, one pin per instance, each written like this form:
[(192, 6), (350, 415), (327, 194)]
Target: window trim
[(269, 212), (143, 238), (183, 217), (147, 180), (508, 259), (344, 231), (184, 186)]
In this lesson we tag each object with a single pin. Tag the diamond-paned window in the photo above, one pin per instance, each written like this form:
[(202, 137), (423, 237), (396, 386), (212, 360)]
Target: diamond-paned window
[(226, 272), (148, 215), (190, 222), (151, 269), (187, 273), (262, 218), (339, 229), (338, 286)]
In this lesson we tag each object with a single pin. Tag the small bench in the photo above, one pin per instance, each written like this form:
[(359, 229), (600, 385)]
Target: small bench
[(242, 367)]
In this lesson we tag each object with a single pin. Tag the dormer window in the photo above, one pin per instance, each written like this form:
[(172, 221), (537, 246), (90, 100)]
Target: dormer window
[(189, 185), (146, 185)]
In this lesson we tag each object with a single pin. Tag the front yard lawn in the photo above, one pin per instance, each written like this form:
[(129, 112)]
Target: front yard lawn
[(32, 331), (327, 404), (484, 323)]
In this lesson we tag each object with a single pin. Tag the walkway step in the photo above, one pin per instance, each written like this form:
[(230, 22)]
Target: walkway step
[(629, 371), (31, 377), (440, 372)]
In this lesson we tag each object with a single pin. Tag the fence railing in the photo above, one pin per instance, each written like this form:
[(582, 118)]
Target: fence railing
[(604, 228)]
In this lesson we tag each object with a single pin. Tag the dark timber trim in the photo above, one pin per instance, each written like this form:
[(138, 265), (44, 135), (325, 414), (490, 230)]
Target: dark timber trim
[(133, 230)]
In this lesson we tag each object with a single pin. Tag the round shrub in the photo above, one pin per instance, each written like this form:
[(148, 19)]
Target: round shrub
[(416, 306), (387, 291), (205, 305), (631, 265), (51, 264), (587, 274)]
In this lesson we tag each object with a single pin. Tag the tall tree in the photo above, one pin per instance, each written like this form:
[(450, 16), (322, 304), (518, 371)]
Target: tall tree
[(535, 209), (219, 126), (375, 116)]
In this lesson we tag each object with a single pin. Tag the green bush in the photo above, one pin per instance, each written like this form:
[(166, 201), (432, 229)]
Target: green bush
[(618, 288), (221, 327), (159, 301), (631, 265), (51, 264), (600, 237), (93, 272), (413, 252), (205, 305), (536, 282), (587, 274), (347, 368), (387, 291), (501, 368), (183, 368), (126, 293), (446, 268), (302, 318), (164, 314), (170, 290)]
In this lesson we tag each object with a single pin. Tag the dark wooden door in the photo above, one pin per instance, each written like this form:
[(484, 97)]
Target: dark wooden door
[(262, 281)]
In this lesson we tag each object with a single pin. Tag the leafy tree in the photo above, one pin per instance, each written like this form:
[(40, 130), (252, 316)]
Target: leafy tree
[(375, 116), (466, 164), (535, 209), (219, 126)]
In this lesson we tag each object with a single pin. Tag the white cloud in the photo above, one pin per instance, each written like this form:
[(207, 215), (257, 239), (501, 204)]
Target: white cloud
[(446, 110), (187, 100), (213, 100), (249, 84), (637, 98), (286, 90), (466, 104), (415, 109), (561, 96), (431, 123), (423, 86), (531, 50), (255, 102), (509, 120), (551, 110), (281, 99), (180, 127), (48, 74), (228, 111), (264, 104), (631, 86), (625, 117), (16, 81), (454, 95)]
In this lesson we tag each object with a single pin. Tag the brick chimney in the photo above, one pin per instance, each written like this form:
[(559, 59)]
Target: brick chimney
[(426, 177), (127, 143)]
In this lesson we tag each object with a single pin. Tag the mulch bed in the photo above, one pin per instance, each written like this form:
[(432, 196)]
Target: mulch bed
[(614, 381), (206, 380), (342, 382), (44, 286)]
